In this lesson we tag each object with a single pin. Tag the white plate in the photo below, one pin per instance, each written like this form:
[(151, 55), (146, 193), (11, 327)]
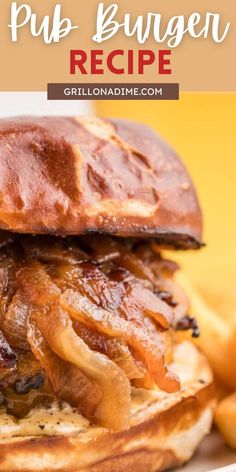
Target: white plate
[(212, 456), (228, 468)]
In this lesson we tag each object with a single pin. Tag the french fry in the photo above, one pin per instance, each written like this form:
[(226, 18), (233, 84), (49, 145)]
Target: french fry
[(225, 418), (221, 391), (217, 336)]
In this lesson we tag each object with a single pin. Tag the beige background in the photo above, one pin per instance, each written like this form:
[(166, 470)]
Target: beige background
[(198, 64)]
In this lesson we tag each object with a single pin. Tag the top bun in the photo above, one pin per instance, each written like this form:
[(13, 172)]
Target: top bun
[(65, 176)]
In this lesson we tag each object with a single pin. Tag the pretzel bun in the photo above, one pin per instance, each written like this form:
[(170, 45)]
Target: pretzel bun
[(164, 432), (65, 175)]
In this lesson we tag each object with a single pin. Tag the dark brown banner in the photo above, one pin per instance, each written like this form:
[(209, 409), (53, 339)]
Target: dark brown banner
[(113, 91)]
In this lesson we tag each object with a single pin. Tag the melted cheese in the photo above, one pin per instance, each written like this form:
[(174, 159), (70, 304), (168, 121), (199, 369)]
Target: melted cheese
[(41, 421)]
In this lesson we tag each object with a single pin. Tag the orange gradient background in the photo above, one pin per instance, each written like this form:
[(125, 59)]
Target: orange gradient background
[(202, 128)]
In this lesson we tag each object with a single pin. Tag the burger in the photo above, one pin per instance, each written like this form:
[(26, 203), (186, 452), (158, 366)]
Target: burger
[(94, 375)]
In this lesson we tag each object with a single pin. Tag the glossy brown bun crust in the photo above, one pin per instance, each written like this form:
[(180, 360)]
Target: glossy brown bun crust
[(165, 431), (65, 175)]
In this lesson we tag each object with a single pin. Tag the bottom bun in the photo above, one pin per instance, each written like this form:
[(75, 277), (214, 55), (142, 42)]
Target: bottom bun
[(165, 430)]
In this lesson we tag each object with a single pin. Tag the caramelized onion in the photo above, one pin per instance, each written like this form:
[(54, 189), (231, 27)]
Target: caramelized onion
[(114, 348), (68, 382), (81, 308), (8, 362), (104, 247), (14, 322), (51, 251), (7, 284), (146, 301), (56, 328), (92, 282), (8, 357), (88, 279), (36, 284), (96, 313)]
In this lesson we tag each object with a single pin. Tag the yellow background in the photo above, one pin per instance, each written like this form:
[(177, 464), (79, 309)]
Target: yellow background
[(202, 128)]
